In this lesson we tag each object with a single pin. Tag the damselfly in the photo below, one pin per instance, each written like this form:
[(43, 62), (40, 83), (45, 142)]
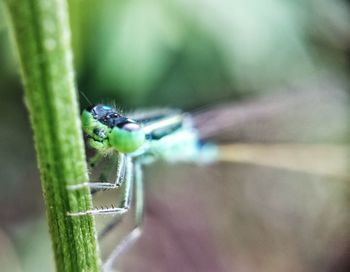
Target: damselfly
[(141, 138), (138, 139)]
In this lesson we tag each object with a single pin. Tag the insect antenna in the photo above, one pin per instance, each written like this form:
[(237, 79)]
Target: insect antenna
[(85, 97)]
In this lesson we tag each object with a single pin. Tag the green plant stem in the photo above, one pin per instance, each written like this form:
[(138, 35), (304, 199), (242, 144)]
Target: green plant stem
[(40, 29)]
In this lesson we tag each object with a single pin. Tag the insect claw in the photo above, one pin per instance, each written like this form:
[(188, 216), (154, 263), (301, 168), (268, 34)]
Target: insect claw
[(77, 186)]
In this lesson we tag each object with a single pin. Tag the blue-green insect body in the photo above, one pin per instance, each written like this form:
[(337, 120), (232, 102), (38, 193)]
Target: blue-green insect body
[(108, 130), (137, 140), (181, 145), (168, 135)]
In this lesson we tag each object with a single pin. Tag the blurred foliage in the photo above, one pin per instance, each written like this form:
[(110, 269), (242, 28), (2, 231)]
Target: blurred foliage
[(189, 53)]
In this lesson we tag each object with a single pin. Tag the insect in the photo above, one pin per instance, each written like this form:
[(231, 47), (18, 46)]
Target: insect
[(142, 138), (138, 139)]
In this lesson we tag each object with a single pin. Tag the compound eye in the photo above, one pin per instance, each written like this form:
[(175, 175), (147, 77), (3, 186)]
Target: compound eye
[(99, 111), (126, 137), (129, 126)]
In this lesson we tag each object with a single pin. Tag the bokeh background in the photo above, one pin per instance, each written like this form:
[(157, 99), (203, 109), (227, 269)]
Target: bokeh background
[(268, 71)]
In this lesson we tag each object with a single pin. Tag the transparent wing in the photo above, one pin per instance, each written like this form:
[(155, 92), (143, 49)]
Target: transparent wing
[(300, 130), (240, 214)]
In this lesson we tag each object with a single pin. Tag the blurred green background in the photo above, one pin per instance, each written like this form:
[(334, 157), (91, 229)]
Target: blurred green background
[(292, 56)]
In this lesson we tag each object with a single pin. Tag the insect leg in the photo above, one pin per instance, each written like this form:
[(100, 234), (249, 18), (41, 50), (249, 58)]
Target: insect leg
[(105, 185), (126, 199), (139, 213)]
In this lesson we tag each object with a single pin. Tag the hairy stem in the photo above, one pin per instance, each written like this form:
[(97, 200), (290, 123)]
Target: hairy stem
[(41, 34)]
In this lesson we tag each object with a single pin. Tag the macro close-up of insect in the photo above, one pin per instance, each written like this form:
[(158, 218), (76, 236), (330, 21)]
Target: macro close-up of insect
[(138, 140), (128, 142), (174, 136)]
